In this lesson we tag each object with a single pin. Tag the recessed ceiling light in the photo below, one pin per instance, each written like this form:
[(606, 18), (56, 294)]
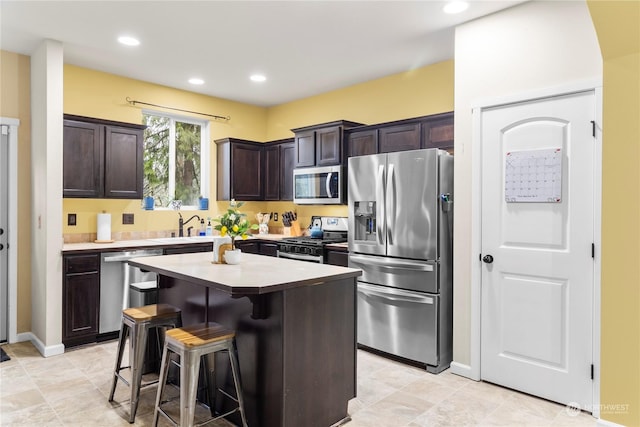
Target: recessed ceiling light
[(196, 81), (129, 41), (455, 7), (258, 78)]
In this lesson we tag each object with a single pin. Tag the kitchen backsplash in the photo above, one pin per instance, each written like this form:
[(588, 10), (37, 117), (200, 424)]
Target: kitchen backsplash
[(161, 223)]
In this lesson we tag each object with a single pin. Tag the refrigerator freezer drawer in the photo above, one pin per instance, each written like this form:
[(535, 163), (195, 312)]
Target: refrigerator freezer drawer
[(421, 276), (398, 322)]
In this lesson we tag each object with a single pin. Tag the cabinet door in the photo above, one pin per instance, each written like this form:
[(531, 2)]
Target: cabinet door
[(82, 153), (305, 149), (123, 163), (81, 299), (287, 161), (272, 172), (362, 143), (438, 133), (248, 247), (329, 146), (400, 138), (246, 171)]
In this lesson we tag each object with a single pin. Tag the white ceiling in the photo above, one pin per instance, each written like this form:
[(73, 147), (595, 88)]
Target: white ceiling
[(303, 47)]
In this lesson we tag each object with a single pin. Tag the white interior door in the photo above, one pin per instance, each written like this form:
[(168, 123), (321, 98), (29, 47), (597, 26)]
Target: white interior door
[(4, 222), (538, 228)]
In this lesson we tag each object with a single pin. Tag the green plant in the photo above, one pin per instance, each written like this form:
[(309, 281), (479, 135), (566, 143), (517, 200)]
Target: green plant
[(234, 223)]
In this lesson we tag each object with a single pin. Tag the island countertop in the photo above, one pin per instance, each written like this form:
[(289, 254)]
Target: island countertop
[(256, 274)]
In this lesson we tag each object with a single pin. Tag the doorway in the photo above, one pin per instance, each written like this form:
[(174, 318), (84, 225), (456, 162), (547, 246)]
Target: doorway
[(539, 229), (4, 225), (9, 226)]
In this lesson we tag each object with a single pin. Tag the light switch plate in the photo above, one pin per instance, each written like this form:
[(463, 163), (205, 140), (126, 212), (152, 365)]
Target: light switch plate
[(71, 219)]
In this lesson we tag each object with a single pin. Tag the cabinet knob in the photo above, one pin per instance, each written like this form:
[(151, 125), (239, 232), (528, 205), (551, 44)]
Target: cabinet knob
[(1, 246)]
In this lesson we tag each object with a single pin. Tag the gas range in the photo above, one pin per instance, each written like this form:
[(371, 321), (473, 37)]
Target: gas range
[(334, 230)]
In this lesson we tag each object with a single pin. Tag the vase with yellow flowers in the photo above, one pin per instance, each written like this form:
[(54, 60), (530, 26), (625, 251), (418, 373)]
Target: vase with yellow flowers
[(234, 224)]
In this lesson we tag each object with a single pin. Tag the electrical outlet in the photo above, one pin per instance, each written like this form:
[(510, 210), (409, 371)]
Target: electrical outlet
[(71, 219), (127, 218), (275, 216)]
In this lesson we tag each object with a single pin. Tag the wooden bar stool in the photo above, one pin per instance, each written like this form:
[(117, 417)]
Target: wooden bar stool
[(191, 344), (136, 322)]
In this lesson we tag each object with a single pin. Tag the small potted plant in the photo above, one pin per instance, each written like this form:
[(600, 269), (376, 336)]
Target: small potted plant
[(234, 224)]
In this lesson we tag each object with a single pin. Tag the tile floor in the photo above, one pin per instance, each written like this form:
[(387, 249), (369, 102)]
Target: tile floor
[(72, 389)]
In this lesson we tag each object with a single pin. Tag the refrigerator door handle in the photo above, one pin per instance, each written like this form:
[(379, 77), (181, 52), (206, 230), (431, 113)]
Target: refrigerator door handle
[(386, 263), (380, 204), (391, 208), (394, 295)]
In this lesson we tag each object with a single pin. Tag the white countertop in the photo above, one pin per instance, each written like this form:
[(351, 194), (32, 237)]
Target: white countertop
[(150, 243), (256, 274)]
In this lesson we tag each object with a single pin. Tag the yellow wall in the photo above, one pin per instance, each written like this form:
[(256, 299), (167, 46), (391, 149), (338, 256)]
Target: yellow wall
[(95, 94), (419, 92), (617, 24), (15, 84)]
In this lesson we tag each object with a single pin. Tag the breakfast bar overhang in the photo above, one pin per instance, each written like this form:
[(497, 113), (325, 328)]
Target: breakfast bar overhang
[(296, 330)]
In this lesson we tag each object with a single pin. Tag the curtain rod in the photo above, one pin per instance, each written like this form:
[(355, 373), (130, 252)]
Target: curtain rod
[(134, 102)]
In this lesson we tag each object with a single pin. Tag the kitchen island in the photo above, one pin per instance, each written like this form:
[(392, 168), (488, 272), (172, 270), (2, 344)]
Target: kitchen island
[(296, 330)]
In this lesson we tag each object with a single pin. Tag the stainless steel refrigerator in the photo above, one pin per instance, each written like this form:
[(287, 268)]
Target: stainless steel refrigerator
[(400, 235)]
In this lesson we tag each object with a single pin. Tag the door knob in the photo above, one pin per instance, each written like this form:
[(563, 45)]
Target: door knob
[(488, 259)]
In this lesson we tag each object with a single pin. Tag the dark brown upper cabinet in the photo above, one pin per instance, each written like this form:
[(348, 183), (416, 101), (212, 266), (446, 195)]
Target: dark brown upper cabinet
[(321, 145), (239, 169), (362, 142), (399, 138), (272, 172), (435, 131), (287, 163), (279, 157), (102, 159), (438, 132)]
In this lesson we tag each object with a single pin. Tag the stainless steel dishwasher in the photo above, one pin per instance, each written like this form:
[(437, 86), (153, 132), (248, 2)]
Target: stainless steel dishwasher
[(115, 277)]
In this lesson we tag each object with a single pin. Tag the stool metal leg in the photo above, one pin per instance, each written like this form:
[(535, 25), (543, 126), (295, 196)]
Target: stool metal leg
[(139, 337), (210, 381), (190, 368), (121, 342), (235, 369), (162, 381)]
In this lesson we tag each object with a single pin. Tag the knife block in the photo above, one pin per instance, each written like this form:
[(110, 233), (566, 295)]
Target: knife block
[(293, 231)]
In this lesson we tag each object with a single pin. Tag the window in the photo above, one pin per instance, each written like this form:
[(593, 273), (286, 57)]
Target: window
[(176, 163)]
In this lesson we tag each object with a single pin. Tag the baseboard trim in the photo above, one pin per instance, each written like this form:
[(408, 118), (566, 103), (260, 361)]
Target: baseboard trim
[(463, 370), (45, 351), (604, 423)]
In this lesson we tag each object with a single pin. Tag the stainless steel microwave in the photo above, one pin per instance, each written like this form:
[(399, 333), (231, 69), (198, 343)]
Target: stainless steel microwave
[(318, 186)]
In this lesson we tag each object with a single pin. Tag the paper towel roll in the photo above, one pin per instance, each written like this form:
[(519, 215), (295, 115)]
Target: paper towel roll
[(104, 226)]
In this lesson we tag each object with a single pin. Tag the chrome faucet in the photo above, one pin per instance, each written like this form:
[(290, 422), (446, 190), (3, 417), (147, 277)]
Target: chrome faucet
[(181, 223)]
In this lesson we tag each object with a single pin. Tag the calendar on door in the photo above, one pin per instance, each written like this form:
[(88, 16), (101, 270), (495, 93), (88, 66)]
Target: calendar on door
[(533, 176)]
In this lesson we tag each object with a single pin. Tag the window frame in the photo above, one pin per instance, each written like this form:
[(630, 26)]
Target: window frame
[(205, 161)]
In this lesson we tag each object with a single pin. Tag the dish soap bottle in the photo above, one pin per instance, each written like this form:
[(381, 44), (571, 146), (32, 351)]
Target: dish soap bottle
[(202, 229), (209, 227)]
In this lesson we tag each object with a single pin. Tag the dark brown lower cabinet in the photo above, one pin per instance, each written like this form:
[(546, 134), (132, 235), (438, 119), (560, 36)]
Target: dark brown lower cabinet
[(81, 299), (258, 247)]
